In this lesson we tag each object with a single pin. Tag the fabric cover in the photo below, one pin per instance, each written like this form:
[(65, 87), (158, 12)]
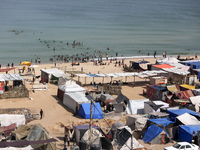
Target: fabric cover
[(188, 119), (122, 98), (161, 121), (136, 106), (8, 119)]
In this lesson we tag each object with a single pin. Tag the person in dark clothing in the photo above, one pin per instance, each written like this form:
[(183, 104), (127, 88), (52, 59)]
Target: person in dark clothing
[(41, 114), (154, 54)]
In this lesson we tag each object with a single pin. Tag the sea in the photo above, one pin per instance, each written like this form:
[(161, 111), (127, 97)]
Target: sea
[(33, 29)]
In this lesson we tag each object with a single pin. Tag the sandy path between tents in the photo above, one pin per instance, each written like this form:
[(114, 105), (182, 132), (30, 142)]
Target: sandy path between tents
[(56, 115)]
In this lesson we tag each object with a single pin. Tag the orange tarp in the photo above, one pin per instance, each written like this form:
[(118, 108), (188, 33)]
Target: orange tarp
[(163, 66)]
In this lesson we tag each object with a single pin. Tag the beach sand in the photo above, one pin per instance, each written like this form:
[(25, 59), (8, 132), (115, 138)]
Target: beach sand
[(56, 115)]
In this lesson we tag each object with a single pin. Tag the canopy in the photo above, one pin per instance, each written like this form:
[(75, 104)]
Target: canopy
[(172, 88), (187, 86), (188, 119), (27, 63)]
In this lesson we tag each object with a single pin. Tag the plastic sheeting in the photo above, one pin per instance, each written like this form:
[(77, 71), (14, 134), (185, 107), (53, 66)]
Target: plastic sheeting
[(136, 106), (8, 119), (18, 148), (161, 121), (136, 122), (154, 106), (188, 119)]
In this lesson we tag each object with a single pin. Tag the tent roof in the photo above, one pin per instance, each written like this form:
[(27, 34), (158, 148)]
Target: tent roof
[(151, 133), (79, 98), (10, 77), (122, 98), (55, 72), (178, 112), (163, 121), (71, 88), (159, 88), (187, 86), (188, 119), (84, 126), (163, 66), (176, 71), (168, 60), (172, 88), (195, 100), (190, 128), (134, 105)]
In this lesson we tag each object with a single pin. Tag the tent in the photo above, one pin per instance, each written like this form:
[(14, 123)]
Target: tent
[(162, 122), (123, 139), (188, 119), (104, 97), (8, 119), (196, 102), (136, 122), (136, 106), (154, 106), (184, 87), (185, 94), (84, 111), (186, 132), (156, 92), (161, 66), (169, 60), (174, 113), (34, 133), (74, 100), (122, 98), (155, 135), (80, 130)]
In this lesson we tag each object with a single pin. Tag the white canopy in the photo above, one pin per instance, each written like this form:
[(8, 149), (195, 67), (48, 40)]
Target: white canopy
[(168, 60), (71, 88), (10, 77), (176, 71), (188, 119), (136, 106), (8, 119)]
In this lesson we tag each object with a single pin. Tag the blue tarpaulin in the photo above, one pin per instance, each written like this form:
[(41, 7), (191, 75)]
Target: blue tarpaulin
[(92, 75), (151, 133), (186, 132), (159, 121), (84, 111), (174, 113)]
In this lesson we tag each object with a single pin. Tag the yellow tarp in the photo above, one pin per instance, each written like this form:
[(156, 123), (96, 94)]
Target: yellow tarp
[(172, 88), (187, 86)]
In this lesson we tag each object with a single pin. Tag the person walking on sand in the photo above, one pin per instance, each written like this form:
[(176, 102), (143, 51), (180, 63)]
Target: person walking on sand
[(68, 139), (41, 114)]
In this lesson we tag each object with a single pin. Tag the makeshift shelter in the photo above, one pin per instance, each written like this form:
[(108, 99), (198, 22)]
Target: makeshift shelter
[(154, 106), (51, 74), (195, 100), (136, 122), (156, 115), (80, 130), (184, 87), (168, 60), (156, 135), (123, 139), (185, 94), (74, 100), (188, 119), (172, 88), (16, 148), (84, 111), (104, 97), (156, 92), (73, 88), (35, 133), (136, 106), (158, 80), (186, 132), (122, 98), (96, 137), (139, 65), (8, 119), (174, 113)]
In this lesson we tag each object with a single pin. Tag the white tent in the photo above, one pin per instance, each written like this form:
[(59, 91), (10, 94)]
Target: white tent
[(196, 102), (73, 100), (73, 88), (136, 106), (136, 122), (168, 60), (8, 119), (188, 119)]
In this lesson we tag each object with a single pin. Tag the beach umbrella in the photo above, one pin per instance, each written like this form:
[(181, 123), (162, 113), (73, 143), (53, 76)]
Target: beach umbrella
[(27, 63)]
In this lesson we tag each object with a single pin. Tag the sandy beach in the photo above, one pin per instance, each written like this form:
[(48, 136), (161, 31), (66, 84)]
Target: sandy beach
[(56, 115)]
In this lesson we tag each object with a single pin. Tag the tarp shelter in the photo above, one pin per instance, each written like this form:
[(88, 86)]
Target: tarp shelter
[(172, 88), (154, 106), (6, 69), (186, 132), (154, 135), (8, 119), (49, 74), (195, 100), (156, 92), (140, 65), (37, 134), (96, 137), (122, 98), (80, 130), (124, 140), (73, 88), (188, 119), (155, 115), (104, 97), (16, 148), (136, 122), (174, 113), (168, 60), (7, 129), (185, 94), (161, 66), (162, 122), (74, 100), (84, 111), (136, 106)]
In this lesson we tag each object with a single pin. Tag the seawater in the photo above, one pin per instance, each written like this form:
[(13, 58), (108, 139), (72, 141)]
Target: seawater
[(34, 28)]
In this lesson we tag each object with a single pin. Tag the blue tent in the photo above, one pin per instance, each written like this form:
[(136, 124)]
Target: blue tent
[(84, 111), (174, 113), (163, 121), (186, 131), (152, 132)]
